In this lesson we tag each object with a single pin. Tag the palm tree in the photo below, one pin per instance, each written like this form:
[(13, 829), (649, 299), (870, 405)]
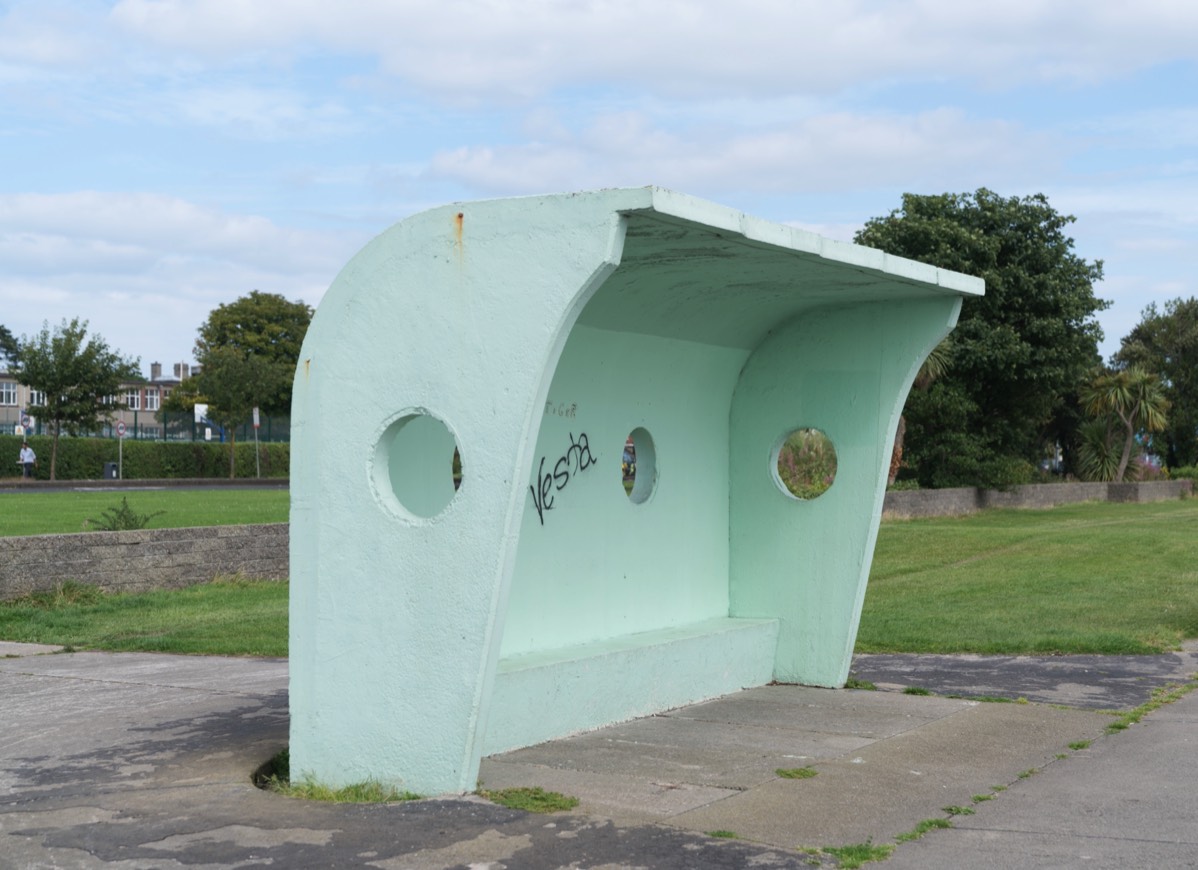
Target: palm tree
[(936, 364), (1130, 399)]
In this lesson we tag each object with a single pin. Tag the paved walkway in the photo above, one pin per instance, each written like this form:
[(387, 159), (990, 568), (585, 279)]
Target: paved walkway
[(143, 761)]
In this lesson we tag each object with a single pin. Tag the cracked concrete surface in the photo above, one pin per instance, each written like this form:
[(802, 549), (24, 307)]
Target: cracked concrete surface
[(139, 761)]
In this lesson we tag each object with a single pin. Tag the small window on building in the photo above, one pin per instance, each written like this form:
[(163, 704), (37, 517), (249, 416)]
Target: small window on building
[(37, 397), (151, 398), (133, 400), (8, 393)]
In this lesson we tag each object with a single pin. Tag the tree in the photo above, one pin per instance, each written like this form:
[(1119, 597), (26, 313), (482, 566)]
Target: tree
[(1168, 343), (1124, 403), (8, 345), (1020, 351), (77, 376), (234, 383), (265, 325), (930, 370)]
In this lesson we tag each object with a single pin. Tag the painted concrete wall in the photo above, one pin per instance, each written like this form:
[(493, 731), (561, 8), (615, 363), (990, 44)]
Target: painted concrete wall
[(430, 624), (596, 564), (845, 371)]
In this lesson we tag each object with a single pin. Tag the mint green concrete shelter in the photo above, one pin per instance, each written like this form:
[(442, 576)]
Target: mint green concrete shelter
[(435, 619)]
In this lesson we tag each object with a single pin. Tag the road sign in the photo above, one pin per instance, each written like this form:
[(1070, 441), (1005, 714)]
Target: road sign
[(25, 421), (256, 423), (120, 430)]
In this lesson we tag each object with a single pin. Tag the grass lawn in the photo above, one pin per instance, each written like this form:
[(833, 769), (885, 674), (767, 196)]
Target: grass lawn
[(1086, 578), (223, 618), (1089, 578), (47, 511)]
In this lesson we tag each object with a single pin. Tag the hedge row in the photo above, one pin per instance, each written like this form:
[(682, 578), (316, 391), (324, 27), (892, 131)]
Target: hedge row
[(84, 458)]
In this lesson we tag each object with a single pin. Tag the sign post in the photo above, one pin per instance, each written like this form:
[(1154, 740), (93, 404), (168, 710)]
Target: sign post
[(257, 461), (120, 450)]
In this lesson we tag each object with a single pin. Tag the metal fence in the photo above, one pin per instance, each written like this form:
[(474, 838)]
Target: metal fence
[(170, 426)]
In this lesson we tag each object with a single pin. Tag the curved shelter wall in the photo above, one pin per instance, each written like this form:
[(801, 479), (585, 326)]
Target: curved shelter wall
[(435, 619)]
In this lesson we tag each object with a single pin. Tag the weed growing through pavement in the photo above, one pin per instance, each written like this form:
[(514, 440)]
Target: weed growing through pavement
[(916, 690), (275, 775), (851, 857), (921, 829), (954, 810), (854, 683), (530, 799), (1080, 744), (796, 772), (724, 835), (1162, 696)]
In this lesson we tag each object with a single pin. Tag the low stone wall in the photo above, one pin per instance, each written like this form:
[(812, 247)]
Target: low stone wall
[(909, 504), (141, 560)]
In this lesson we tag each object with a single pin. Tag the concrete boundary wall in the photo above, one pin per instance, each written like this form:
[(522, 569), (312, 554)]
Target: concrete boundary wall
[(138, 561), (909, 504)]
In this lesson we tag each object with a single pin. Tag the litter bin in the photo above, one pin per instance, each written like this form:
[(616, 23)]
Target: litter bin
[(110, 471)]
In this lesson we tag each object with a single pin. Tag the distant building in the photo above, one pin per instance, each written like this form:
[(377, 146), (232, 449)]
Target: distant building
[(143, 399)]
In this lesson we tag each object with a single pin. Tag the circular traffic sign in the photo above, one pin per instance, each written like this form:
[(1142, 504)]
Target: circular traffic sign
[(25, 421), (120, 430)]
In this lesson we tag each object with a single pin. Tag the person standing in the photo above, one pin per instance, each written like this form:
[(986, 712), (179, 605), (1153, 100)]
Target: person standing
[(28, 460)]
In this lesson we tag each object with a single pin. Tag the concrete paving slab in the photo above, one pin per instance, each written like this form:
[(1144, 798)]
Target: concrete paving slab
[(1127, 801), (9, 649), (623, 798), (834, 711), (887, 788), (708, 753)]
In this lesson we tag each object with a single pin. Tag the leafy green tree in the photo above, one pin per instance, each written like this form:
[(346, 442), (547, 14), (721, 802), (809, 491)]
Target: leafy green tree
[(79, 378), (265, 325), (1167, 342), (8, 345), (234, 383), (1020, 351), (1125, 403)]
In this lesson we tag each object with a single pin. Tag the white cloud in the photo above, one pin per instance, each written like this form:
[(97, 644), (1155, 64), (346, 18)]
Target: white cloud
[(493, 48), (147, 269), (49, 35), (126, 222), (258, 113), (941, 148)]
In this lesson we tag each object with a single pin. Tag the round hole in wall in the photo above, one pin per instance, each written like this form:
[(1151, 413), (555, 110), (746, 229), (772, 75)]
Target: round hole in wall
[(418, 461), (638, 466), (805, 465)]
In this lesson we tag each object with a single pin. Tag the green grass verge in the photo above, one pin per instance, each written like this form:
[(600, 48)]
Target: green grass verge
[(1092, 578), (226, 617), (1087, 578), (46, 512)]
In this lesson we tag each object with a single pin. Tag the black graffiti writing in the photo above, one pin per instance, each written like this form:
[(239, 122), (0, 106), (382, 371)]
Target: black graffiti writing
[(561, 409), (577, 458)]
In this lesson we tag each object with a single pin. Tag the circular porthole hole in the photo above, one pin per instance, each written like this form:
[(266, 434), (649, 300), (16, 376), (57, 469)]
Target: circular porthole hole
[(805, 465), (638, 466), (417, 460)]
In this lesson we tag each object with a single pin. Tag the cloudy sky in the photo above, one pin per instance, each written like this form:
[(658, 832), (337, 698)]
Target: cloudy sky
[(161, 157)]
